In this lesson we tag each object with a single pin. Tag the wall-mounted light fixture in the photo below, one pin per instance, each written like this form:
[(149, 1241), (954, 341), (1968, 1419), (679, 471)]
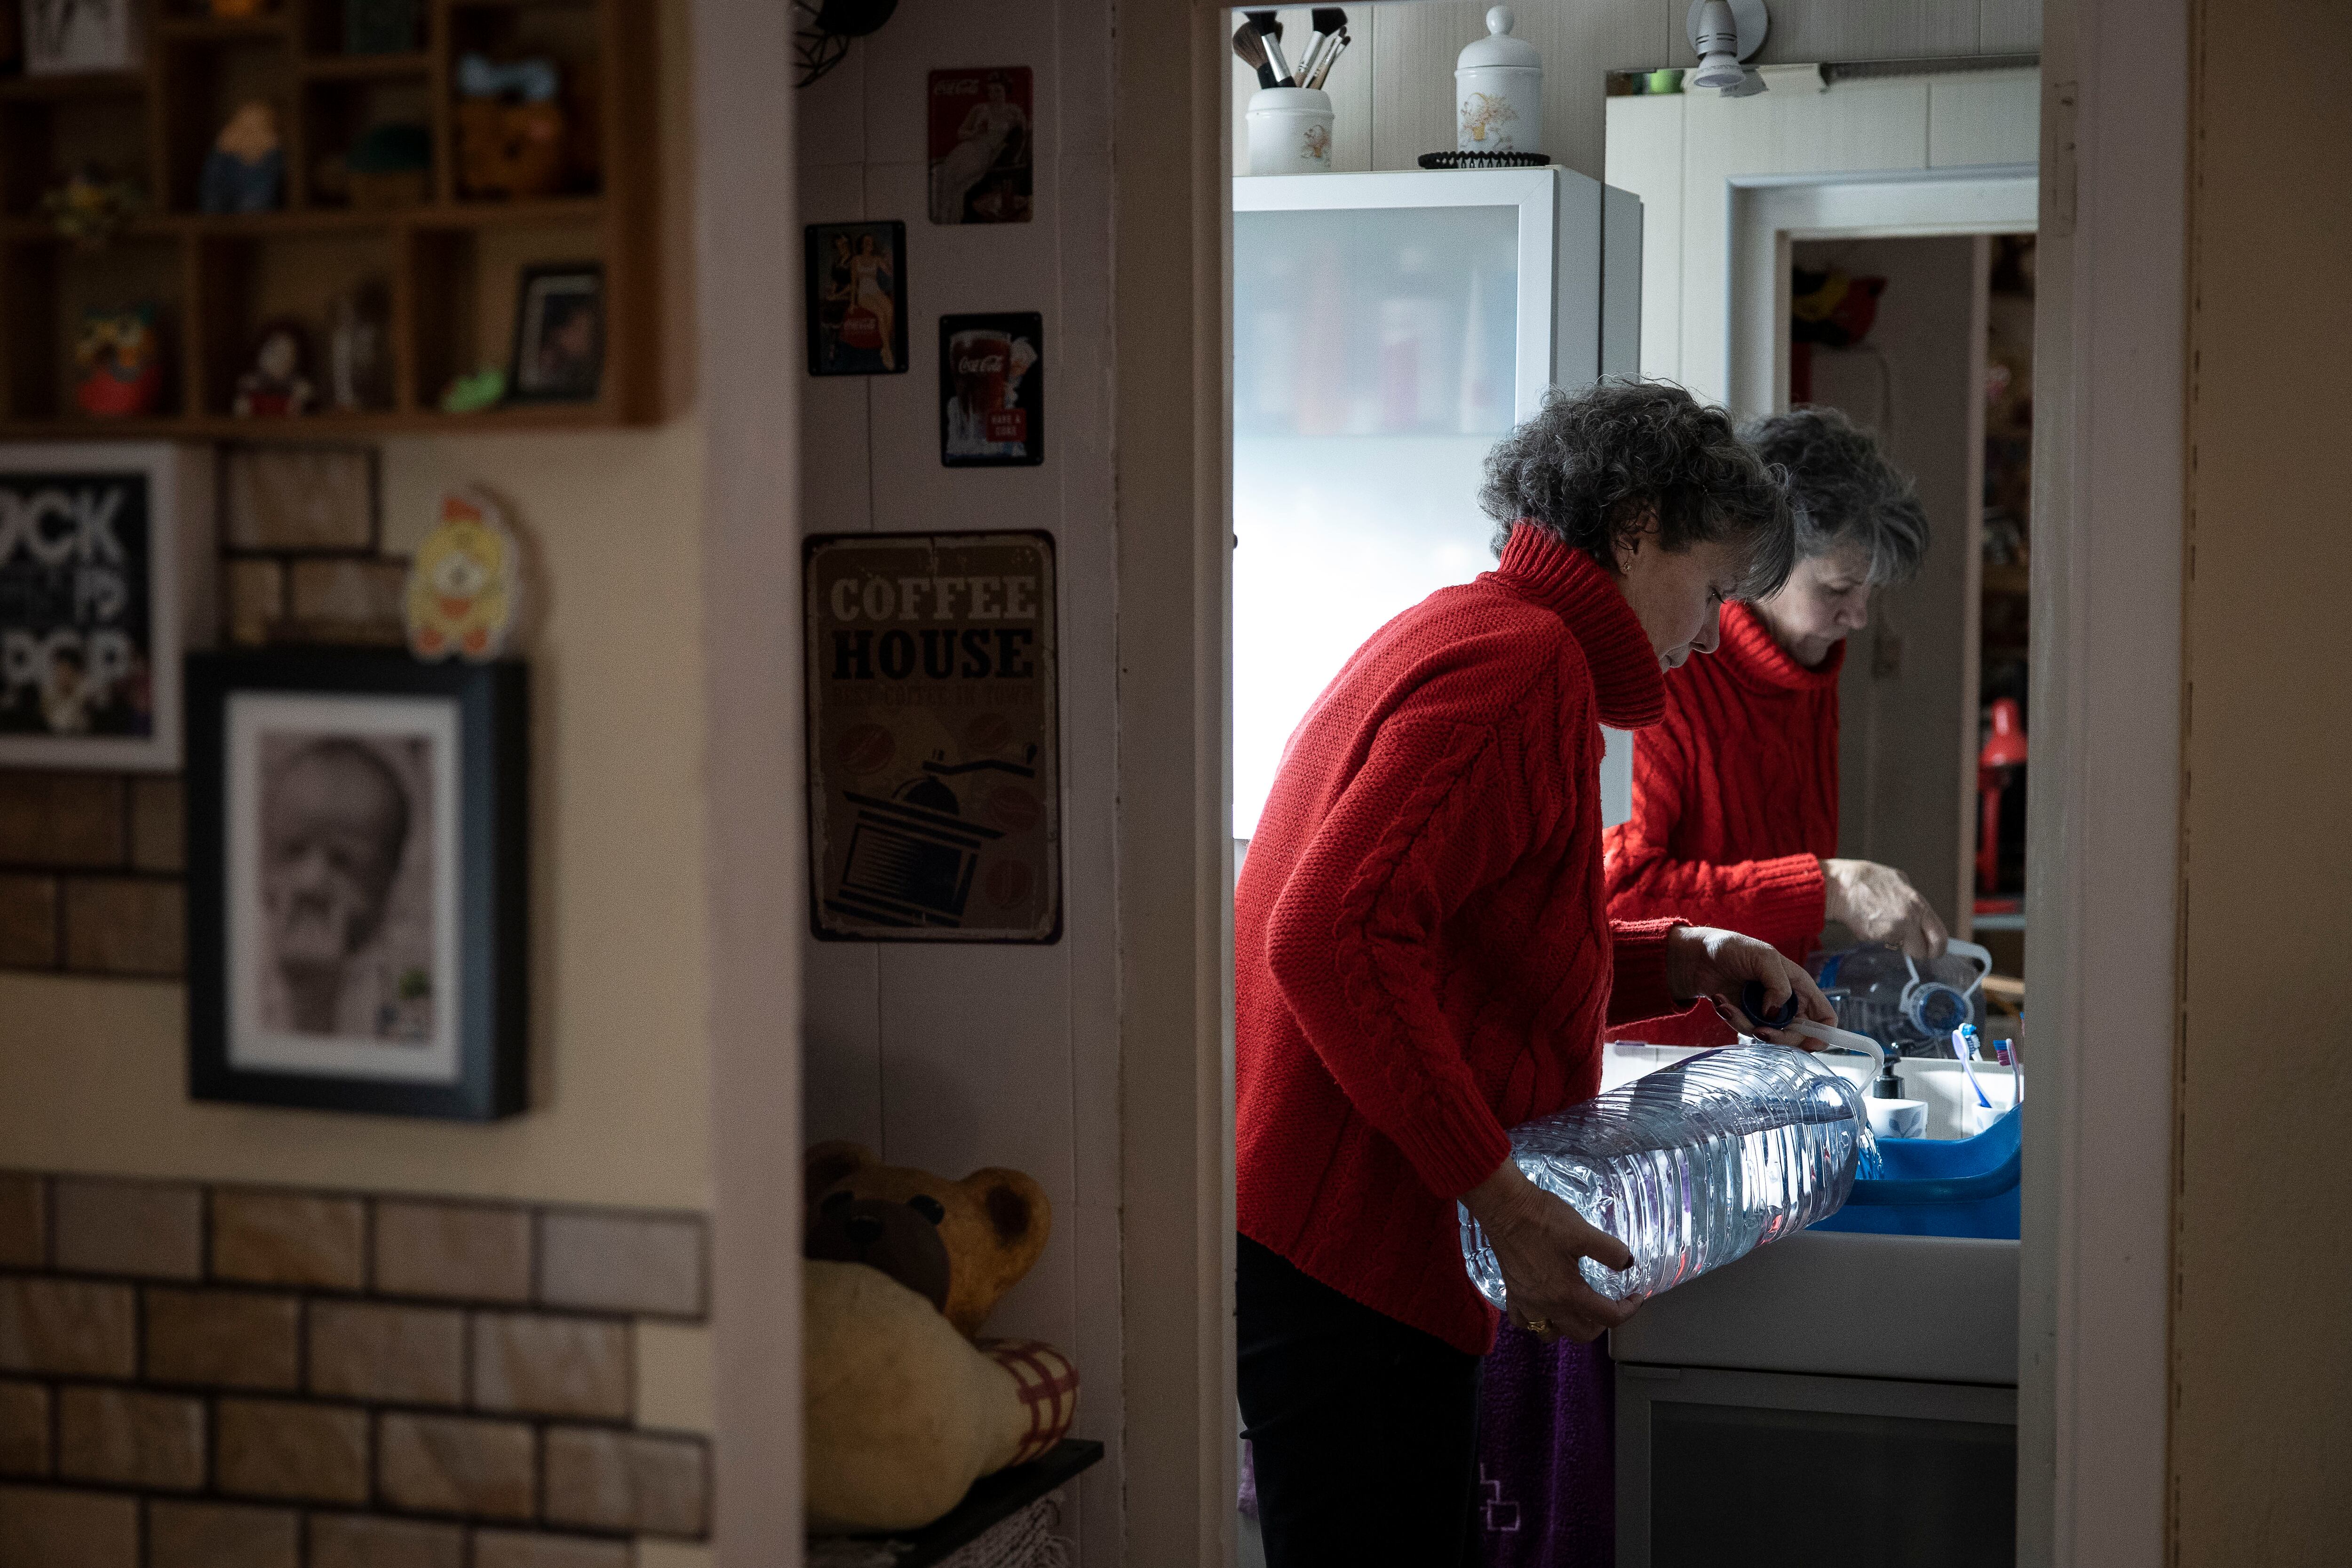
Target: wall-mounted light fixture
[(1722, 34), (826, 26)]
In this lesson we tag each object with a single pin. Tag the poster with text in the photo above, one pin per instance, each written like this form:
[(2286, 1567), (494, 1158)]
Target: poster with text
[(90, 621), (934, 751), (980, 145), (992, 390)]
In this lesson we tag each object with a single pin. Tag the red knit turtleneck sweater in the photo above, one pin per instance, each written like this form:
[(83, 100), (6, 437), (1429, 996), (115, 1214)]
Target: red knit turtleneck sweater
[(1735, 803), (1422, 955)]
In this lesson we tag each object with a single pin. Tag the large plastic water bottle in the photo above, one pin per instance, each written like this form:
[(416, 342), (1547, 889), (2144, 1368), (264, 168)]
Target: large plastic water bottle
[(1695, 1164)]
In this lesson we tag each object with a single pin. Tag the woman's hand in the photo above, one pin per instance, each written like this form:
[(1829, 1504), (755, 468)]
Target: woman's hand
[(1537, 1239), (1878, 903), (1718, 964)]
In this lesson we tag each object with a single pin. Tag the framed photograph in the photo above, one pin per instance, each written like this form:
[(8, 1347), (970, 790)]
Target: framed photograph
[(559, 342), (105, 575), (980, 145), (65, 37), (856, 287), (992, 390), (357, 882), (934, 739)]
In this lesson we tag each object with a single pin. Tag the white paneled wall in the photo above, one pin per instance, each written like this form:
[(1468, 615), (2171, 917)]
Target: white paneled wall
[(1393, 92), (1677, 153), (944, 1056)]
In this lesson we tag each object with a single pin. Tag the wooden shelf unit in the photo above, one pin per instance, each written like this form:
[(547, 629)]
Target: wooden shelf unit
[(449, 266)]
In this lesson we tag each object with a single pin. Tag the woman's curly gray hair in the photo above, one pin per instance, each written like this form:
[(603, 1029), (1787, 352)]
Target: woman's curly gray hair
[(1596, 465), (1846, 492)]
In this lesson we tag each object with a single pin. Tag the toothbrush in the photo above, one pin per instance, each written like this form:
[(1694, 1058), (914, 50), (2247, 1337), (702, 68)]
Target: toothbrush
[(1964, 1046)]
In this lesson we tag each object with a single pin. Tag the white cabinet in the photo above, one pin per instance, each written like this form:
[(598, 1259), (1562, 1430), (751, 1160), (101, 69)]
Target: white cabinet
[(1388, 330)]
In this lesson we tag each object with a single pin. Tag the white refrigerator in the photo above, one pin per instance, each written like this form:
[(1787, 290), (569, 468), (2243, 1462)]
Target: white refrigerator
[(1388, 330)]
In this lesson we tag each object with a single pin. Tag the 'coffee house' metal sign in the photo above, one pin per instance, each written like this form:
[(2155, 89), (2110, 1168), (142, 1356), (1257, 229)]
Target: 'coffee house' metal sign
[(934, 763)]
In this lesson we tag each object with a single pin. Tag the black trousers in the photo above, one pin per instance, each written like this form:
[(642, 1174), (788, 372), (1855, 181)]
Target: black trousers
[(1364, 1432)]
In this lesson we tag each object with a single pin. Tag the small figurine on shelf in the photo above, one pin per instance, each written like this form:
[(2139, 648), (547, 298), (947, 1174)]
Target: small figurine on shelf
[(246, 169), (381, 26), (278, 385), (474, 390), (463, 581), (123, 356), (510, 128), (357, 371), (88, 208)]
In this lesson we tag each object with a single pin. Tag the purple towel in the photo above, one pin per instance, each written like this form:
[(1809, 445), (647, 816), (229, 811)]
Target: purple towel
[(1547, 1453)]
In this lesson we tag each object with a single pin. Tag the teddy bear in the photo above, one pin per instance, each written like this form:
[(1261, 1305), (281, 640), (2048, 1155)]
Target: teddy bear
[(904, 1411), (994, 1222)]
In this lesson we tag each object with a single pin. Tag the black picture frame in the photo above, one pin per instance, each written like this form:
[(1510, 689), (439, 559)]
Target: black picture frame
[(564, 294), (1002, 352), (477, 880), (838, 286)]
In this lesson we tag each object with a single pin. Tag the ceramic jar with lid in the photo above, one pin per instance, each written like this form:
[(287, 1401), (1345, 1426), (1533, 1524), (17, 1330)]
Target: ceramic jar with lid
[(1498, 92), (1289, 131)]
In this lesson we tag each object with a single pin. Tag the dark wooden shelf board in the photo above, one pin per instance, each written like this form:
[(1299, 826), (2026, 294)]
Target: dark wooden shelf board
[(456, 216), (365, 67), (274, 24), (78, 84), (463, 214), (992, 1500), (548, 416)]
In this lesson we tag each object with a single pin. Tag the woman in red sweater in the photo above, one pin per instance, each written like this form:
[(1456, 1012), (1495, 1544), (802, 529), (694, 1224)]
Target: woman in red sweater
[(1422, 957), (1736, 790)]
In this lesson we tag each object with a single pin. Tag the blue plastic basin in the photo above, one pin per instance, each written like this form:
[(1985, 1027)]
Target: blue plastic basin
[(1956, 1186)]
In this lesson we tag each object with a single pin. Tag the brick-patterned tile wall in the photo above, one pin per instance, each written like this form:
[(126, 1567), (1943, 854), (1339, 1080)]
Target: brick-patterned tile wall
[(231, 1377), (89, 873), (90, 863)]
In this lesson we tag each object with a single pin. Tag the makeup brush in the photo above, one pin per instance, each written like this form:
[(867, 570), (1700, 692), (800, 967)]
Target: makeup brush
[(1329, 24), (1326, 59), (1251, 53), (1269, 35)]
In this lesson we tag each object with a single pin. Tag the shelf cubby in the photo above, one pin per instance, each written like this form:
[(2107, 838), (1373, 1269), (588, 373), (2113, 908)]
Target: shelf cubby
[(448, 264)]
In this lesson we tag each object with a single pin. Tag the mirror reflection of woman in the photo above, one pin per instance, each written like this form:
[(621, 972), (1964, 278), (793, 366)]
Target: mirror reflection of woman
[(1735, 793)]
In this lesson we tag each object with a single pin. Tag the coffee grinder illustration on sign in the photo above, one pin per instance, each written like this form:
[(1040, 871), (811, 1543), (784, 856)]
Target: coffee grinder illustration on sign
[(992, 390), (932, 740)]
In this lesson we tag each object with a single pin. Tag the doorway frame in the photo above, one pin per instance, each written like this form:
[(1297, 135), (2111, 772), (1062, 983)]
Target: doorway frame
[(2109, 457)]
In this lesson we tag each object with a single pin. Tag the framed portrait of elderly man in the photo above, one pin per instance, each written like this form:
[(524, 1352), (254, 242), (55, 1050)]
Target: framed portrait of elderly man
[(356, 882)]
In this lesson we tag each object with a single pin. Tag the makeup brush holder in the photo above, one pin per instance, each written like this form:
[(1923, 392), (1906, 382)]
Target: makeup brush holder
[(1289, 131)]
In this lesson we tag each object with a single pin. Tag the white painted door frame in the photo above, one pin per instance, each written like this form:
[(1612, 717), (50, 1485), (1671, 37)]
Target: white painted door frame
[(1766, 213), (2105, 786)]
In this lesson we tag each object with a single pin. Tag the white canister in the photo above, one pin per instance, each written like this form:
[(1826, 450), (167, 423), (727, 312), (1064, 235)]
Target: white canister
[(1498, 92), (1289, 131)]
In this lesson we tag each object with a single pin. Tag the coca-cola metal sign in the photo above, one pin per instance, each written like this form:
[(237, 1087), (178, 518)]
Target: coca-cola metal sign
[(934, 752), (992, 390)]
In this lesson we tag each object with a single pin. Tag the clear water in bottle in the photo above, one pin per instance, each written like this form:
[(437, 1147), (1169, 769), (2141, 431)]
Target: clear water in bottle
[(1695, 1165)]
